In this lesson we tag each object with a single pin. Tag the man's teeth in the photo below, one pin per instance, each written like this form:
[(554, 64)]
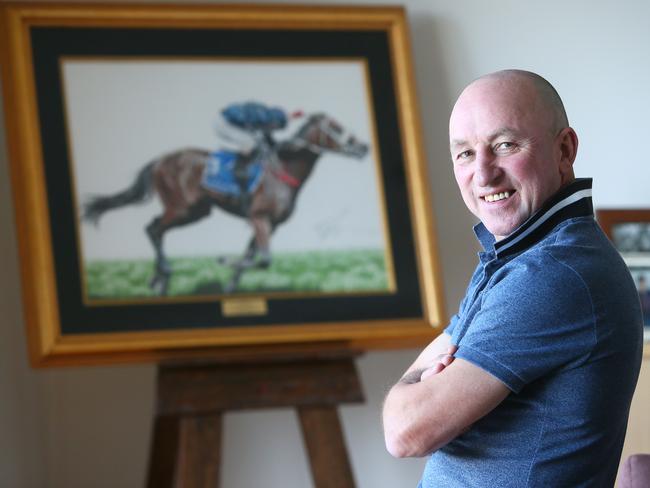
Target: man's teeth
[(497, 196)]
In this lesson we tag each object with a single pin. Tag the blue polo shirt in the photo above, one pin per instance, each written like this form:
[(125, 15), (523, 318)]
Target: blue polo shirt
[(553, 313)]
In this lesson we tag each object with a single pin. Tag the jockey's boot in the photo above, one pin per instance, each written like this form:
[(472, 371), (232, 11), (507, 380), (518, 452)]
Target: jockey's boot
[(241, 177), (245, 202)]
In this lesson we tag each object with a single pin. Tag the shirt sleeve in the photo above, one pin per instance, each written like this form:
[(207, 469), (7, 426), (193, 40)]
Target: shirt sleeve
[(534, 318), (476, 277), (451, 326)]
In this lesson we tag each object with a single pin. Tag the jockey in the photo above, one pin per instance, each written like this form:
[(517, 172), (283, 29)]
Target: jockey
[(246, 129)]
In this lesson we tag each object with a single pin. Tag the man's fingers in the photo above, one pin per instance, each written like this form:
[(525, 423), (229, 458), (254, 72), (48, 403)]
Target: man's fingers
[(443, 360), (450, 352), (446, 360), (435, 369)]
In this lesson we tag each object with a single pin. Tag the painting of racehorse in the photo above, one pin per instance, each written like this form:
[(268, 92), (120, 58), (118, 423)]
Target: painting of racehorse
[(178, 197)]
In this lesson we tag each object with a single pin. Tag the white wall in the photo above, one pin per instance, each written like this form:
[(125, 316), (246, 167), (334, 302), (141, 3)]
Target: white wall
[(90, 427)]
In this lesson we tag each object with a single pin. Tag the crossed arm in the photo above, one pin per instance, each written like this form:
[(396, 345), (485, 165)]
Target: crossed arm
[(437, 399)]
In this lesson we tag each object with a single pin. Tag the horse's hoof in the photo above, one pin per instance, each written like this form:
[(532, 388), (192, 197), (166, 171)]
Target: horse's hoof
[(159, 285), (160, 289), (227, 261), (153, 282)]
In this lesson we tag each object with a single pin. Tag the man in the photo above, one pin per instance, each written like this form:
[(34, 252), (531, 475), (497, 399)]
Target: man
[(531, 382)]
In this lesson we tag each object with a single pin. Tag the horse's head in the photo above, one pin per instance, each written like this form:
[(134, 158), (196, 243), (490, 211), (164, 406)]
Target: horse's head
[(322, 133)]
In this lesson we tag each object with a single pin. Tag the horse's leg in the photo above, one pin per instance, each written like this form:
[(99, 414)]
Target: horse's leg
[(156, 230), (160, 280), (258, 247), (248, 256), (263, 228)]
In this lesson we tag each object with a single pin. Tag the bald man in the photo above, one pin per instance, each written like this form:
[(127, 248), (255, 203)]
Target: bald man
[(530, 383)]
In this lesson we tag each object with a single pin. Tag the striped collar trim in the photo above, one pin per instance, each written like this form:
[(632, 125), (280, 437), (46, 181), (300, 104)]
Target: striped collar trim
[(574, 200)]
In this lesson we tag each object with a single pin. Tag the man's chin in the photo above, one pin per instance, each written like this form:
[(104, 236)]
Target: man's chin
[(500, 230)]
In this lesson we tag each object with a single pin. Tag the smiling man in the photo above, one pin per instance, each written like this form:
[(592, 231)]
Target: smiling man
[(531, 382)]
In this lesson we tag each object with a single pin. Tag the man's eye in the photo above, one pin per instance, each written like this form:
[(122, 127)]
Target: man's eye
[(464, 155), (504, 146)]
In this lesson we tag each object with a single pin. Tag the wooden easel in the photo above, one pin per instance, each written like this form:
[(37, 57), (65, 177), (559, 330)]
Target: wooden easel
[(192, 397)]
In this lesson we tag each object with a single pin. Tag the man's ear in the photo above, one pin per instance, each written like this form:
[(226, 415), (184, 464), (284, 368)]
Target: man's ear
[(567, 147)]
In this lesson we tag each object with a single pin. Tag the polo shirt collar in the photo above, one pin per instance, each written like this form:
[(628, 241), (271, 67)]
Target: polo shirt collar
[(573, 200)]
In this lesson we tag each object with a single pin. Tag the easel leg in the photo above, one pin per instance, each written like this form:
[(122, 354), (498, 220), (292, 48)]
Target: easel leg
[(321, 430), (200, 452), (164, 451), (186, 452)]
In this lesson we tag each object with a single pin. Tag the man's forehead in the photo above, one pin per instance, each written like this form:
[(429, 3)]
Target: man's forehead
[(489, 108), (497, 93)]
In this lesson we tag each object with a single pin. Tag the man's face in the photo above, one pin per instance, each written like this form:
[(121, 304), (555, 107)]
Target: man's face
[(507, 160)]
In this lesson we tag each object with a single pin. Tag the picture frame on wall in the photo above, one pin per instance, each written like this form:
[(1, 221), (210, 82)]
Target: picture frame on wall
[(150, 226), (629, 231)]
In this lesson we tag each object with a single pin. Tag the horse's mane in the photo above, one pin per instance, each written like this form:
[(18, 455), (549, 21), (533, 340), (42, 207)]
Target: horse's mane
[(290, 145), (300, 133)]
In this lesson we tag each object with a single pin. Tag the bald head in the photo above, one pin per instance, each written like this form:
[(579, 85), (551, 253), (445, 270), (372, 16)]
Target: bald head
[(512, 147), (548, 98)]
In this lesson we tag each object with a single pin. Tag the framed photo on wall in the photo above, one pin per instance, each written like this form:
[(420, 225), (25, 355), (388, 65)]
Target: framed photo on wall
[(629, 231), (189, 178)]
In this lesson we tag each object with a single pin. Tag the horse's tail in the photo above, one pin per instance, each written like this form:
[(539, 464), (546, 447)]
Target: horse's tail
[(138, 192)]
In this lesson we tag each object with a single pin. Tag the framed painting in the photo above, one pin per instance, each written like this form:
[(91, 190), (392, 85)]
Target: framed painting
[(629, 231), (189, 179)]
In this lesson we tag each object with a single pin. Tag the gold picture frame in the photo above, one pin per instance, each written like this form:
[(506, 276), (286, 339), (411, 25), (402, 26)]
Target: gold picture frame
[(66, 323), (629, 231)]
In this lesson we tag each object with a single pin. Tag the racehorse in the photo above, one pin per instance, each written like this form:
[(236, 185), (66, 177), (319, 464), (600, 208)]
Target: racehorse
[(177, 180)]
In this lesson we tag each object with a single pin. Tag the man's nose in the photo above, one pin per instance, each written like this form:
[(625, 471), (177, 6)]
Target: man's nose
[(487, 169)]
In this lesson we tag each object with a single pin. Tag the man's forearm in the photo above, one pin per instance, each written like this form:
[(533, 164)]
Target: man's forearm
[(399, 413)]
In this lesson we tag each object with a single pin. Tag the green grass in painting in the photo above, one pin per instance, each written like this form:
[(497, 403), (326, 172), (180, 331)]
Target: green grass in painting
[(330, 272)]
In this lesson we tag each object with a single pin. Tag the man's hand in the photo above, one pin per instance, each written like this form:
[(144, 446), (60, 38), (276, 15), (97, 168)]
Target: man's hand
[(442, 361)]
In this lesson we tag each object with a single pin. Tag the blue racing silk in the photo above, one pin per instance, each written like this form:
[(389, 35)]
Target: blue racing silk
[(219, 174)]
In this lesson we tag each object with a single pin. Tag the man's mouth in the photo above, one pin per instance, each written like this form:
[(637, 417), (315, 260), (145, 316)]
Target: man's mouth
[(495, 197)]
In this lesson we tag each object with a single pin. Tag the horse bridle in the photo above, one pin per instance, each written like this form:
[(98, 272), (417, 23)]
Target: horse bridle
[(325, 131)]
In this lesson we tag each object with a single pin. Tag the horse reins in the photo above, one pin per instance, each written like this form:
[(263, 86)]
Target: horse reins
[(285, 177), (325, 130)]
